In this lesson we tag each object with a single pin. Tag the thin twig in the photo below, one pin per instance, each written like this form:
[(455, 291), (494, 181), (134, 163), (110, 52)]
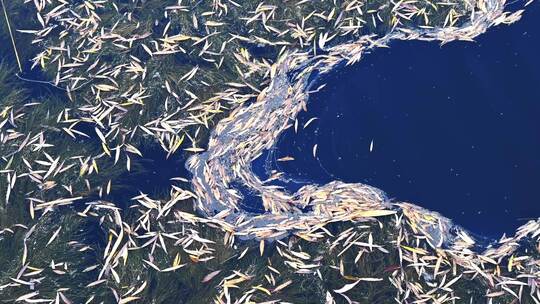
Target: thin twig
[(11, 35)]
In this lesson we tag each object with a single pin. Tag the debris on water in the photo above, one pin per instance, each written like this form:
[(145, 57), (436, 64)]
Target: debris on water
[(210, 96)]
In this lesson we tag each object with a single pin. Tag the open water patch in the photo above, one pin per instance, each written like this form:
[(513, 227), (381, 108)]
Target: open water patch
[(453, 129), (151, 174)]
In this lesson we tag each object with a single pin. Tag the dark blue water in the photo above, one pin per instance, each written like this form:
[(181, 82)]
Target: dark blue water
[(151, 174), (455, 128)]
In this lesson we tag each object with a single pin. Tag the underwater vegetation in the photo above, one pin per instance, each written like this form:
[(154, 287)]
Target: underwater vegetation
[(107, 87)]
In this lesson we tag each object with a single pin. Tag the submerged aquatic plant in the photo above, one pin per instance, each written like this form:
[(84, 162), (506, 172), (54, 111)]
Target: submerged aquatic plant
[(169, 73)]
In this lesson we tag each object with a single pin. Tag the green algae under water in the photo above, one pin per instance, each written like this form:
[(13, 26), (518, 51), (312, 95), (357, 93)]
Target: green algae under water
[(82, 240)]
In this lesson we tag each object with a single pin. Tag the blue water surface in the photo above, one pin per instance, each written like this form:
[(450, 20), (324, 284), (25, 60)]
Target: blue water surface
[(455, 128)]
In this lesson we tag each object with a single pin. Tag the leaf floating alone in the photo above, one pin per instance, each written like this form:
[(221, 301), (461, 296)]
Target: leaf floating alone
[(55, 234), (415, 250), (194, 149), (348, 287), (173, 268), (25, 253), (127, 300), (243, 253), (310, 121), (27, 296), (283, 286), (210, 276), (261, 247), (106, 87), (329, 298), (286, 158), (140, 289), (213, 23), (375, 213)]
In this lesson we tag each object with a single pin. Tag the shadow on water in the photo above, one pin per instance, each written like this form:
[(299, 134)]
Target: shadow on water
[(454, 128), (150, 174)]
